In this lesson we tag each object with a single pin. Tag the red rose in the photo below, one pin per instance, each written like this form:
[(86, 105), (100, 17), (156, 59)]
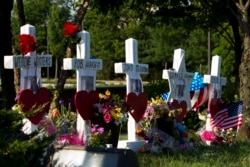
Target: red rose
[(69, 29), (27, 43), (107, 117)]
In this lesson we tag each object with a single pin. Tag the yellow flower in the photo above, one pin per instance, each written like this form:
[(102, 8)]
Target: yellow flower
[(107, 93), (101, 95), (116, 113)]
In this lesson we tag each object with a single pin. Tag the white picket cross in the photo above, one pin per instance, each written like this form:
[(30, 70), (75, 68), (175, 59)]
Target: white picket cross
[(179, 79), (132, 69), (216, 82), (30, 66), (85, 74)]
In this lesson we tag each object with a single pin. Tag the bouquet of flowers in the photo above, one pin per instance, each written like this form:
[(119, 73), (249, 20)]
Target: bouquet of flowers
[(225, 137), (110, 109), (64, 120), (158, 126), (110, 113)]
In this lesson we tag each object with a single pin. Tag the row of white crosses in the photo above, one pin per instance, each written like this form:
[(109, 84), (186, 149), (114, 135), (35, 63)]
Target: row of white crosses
[(132, 69), (30, 66), (85, 75), (180, 81)]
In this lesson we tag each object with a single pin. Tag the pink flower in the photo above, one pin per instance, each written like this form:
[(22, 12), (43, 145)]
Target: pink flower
[(107, 117), (101, 130)]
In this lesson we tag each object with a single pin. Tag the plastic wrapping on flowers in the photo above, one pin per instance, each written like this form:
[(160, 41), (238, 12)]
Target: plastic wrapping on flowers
[(158, 126)]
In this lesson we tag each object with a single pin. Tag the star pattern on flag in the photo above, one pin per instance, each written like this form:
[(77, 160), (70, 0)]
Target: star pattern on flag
[(235, 114)]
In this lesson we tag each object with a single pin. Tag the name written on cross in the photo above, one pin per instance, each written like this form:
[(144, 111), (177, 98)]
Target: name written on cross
[(174, 75), (129, 67), (83, 64), (28, 61)]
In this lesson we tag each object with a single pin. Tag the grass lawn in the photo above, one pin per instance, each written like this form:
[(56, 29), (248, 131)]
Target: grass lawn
[(237, 155)]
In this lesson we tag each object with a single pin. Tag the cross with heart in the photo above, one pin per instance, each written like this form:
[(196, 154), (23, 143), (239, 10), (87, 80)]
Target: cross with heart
[(31, 93), (86, 95), (136, 98), (216, 82), (179, 81)]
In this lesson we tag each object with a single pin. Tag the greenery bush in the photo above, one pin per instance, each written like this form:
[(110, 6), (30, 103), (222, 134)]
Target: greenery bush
[(17, 148)]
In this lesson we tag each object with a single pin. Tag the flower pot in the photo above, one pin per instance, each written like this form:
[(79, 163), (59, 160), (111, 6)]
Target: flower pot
[(115, 132)]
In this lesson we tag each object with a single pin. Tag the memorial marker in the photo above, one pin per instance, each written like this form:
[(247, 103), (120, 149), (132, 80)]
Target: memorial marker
[(133, 80), (30, 65), (85, 74), (179, 79)]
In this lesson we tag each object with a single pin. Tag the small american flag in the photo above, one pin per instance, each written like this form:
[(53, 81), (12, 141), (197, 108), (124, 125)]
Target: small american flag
[(199, 92), (235, 114), (218, 111)]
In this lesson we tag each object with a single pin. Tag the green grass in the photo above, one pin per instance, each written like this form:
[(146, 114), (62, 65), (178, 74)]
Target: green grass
[(237, 155)]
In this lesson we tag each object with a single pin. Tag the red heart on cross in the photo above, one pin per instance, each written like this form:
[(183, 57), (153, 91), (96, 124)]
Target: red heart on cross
[(84, 102), (30, 101), (138, 103), (177, 105), (214, 106)]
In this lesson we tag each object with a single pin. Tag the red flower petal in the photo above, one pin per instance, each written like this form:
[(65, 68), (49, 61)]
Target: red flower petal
[(69, 29)]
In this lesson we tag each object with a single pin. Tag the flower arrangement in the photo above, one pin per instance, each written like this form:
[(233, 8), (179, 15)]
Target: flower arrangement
[(27, 43), (225, 137), (158, 125), (63, 117), (110, 113), (64, 120), (157, 111), (110, 109), (98, 137)]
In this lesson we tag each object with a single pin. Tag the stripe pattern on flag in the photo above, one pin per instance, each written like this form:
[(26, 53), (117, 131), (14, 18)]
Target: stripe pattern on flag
[(218, 111), (235, 114), (199, 92)]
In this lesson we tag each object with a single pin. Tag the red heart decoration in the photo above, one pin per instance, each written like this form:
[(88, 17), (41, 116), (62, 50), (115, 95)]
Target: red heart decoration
[(214, 105), (183, 106), (138, 103), (84, 102), (29, 100)]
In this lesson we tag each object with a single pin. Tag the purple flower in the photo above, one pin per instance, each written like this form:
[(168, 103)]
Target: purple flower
[(61, 101)]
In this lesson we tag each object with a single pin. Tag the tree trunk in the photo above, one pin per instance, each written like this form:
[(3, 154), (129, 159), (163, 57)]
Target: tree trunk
[(244, 72), (7, 75)]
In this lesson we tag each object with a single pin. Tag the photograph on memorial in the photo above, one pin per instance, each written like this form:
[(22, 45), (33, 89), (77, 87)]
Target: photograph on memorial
[(135, 85), (88, 83)]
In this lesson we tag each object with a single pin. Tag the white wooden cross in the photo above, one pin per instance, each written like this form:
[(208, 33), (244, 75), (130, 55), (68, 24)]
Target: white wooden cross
[(85, 74), (216, 82), (179, 79), (133, 79), (30, 65)]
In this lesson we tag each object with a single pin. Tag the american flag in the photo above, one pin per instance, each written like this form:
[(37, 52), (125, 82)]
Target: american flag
[(218, 111), (235, 114), (199, 92)]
